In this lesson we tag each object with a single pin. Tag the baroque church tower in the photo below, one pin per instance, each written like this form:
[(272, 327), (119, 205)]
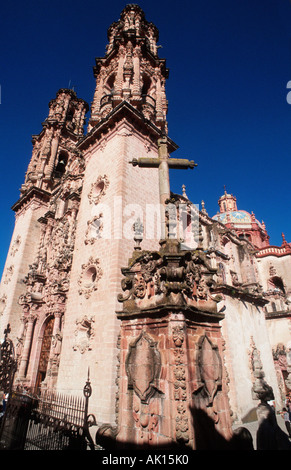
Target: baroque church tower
[(176, 324), (75, 217), (36, 274)]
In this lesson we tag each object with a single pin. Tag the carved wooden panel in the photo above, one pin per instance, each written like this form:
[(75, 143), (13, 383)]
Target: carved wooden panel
[(46, 346)]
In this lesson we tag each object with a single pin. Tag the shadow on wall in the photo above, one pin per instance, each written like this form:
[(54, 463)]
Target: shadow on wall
[(269, 435)]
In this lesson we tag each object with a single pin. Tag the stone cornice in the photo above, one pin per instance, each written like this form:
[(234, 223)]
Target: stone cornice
[(241, 294), (190, 312), (33, 193), (123, 110), (280, 314)]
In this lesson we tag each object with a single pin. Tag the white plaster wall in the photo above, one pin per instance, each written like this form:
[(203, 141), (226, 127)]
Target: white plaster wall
[(243, 322), (282, 266)]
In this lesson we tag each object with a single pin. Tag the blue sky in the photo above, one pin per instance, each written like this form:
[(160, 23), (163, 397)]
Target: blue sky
[(229, 61)]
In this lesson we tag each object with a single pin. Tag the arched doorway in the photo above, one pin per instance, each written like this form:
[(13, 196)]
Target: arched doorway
[(44, 353)]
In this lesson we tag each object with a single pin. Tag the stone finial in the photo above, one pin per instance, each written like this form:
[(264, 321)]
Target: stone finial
[(138, 233), (184, 191)]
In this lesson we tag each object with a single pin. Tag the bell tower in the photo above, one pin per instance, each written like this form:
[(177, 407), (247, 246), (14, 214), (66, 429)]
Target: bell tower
[(127, 121), (84, 198), (43, 232), (52, 148), (227, 203), (131, 70)]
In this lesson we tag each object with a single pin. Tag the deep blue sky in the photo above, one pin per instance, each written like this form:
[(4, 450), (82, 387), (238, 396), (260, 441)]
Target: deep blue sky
[(229, 61)]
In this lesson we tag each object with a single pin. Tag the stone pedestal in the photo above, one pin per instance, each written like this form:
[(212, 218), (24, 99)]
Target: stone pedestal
[(172, 383)]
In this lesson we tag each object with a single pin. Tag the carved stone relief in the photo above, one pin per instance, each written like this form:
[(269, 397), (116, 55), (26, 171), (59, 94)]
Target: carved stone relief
[(84, 334), (260, 390), (183, 278), (15, 246), (143, 364), (3, 302), (9, 274), (210, 370), (146, 418), (180, 387), (89, 277), (209, 378), (98, 189), (94, 229)]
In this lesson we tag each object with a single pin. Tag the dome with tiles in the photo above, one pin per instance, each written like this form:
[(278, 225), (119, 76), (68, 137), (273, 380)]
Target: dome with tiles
[(229, 214), (238, 218)]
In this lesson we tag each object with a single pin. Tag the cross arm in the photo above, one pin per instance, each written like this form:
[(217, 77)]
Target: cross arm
[(176, 163)]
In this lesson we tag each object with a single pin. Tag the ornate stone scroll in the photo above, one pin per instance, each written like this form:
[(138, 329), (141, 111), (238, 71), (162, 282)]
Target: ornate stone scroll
[(169, 277), (143, 364)]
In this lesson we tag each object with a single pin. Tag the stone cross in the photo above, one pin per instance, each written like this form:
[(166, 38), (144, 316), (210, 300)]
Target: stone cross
[(163, 163)]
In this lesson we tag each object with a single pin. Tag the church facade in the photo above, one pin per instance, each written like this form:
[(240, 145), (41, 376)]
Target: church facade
[(109, 272)]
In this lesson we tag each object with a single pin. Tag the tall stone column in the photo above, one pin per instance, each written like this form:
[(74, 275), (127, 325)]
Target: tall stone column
[(54, 149), (26, 347), (98, 93), (119, 76), (55, 351), (136, 91), (159, 106)]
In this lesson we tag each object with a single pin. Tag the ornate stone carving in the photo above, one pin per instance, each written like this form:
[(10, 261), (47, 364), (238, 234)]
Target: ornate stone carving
[(180, 386), (209, 364), (15, 246), (3, 302), (84, 334), (89, 277), (138, 233), (8, 274), (146, 418), (143, 364), (182, 424), (261, 390), (129, 73), (168, 277), (98, 189), (178, 335), (94, 229)]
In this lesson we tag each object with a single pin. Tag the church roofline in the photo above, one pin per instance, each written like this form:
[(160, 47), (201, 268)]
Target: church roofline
[(273, 250)]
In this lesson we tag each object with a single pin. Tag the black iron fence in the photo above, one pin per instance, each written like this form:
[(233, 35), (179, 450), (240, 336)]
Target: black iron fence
[(52, 421), (15, 421), (57, 422)]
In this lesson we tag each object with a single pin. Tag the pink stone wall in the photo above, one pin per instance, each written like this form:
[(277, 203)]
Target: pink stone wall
[(165, 417), (22, 253), (127, 184)]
